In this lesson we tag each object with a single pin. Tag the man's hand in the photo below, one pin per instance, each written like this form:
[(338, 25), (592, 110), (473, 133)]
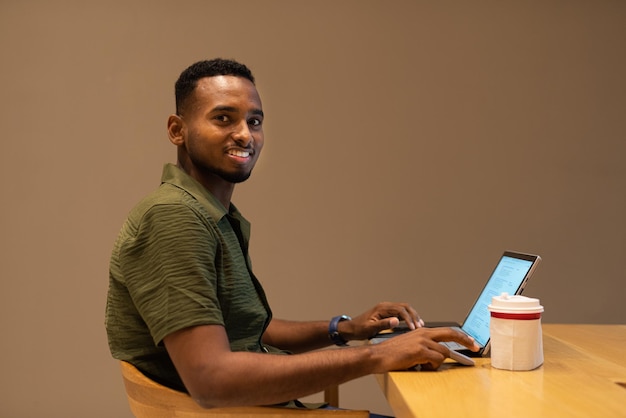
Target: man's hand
[(419, 347), (385, 315)]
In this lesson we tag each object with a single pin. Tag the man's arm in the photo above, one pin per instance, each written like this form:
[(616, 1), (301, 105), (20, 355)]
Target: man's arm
[(216, 376), (299, 337)]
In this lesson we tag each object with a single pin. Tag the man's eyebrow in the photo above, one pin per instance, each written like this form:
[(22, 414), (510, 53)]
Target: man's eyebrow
[(257, 112), (224, 109)]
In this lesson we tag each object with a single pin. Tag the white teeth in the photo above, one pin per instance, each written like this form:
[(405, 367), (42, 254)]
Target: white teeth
[(243, 154)]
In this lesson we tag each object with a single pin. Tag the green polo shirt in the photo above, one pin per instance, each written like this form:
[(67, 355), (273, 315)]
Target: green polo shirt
[(180, 260)]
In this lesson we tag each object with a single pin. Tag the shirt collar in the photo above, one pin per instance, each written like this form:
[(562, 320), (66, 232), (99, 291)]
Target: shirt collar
[(175, 176)]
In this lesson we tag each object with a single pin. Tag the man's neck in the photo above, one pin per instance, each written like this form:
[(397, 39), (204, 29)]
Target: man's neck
[(223, 196), (221, 189)]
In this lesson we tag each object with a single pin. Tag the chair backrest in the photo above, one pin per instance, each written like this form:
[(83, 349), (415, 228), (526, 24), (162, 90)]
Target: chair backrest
[(149, 399)]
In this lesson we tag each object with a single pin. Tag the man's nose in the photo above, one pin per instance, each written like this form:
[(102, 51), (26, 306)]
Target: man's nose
[(243, 135)]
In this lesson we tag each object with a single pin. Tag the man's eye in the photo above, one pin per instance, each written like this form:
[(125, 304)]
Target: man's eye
[(222, 118), (255, 122)]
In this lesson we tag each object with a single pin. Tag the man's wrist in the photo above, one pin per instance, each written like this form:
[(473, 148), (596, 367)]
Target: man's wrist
[(333, 330)]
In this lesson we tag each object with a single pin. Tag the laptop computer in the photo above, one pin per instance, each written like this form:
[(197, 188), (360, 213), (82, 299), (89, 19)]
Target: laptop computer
[(510, 275)]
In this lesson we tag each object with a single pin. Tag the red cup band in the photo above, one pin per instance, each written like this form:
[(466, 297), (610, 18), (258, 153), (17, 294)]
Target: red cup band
[(522, 316)]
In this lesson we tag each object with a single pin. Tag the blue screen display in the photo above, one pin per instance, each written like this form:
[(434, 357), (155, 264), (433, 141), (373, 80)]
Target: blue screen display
[(507, 277)]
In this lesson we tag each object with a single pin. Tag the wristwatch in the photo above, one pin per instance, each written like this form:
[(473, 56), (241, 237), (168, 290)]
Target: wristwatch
[(333, 334)]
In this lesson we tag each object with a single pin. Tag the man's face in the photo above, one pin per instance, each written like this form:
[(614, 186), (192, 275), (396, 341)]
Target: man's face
[(223, 129)]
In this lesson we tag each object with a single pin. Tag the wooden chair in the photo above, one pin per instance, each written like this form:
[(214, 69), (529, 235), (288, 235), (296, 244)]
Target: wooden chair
[(149, 399)]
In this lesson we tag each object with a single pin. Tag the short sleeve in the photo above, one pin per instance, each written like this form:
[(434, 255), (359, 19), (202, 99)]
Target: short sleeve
[(170, 271)]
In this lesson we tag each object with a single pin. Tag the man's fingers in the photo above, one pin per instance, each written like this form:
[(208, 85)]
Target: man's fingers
[(393, 322), (410, 316), (449, 334)]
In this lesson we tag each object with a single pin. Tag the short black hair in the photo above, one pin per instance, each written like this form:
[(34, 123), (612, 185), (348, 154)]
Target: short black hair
[(188, 79)]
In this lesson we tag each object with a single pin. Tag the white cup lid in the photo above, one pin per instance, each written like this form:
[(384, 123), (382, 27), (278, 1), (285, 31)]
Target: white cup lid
[(514, 304)]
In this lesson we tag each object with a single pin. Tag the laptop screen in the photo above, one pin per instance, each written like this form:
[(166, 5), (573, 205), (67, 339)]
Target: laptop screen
[(508, 277)]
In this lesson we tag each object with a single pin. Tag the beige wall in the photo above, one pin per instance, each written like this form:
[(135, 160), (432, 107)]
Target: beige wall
[(408, 143)]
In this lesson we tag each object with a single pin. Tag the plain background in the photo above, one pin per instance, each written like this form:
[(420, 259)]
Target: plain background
[(408, 143)]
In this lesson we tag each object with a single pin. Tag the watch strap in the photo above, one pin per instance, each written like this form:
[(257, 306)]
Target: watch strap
[(333, 333)]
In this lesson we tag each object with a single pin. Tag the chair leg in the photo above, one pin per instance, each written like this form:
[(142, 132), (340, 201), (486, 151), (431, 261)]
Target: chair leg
[(331, 396)]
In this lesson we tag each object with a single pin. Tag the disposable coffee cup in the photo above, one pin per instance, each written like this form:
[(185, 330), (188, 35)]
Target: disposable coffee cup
[(515, 327)]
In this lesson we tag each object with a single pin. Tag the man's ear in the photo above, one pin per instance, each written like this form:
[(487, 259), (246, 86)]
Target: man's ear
[(176, 130)]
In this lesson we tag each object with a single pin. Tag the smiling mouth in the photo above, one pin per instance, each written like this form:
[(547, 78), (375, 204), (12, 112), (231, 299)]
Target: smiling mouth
[(238, 153)]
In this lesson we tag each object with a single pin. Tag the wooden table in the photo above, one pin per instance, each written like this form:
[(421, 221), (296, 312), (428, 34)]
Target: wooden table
[(583, 375)]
